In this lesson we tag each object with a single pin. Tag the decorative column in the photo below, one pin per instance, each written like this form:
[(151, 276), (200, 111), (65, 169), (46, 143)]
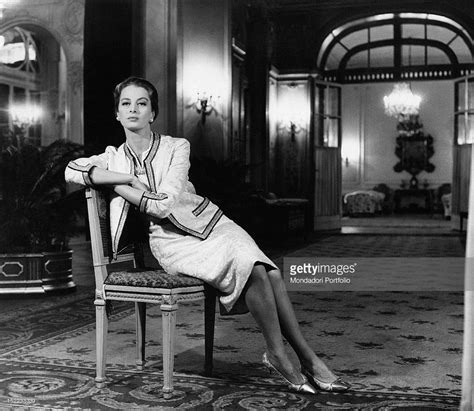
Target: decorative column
[(159, 58), (204, 75), (258, 67)]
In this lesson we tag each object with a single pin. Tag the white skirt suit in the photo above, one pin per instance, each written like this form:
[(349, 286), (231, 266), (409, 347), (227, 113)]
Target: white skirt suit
[(188, 233)]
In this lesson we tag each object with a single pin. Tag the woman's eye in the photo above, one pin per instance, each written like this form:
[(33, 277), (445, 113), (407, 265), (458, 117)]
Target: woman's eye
[(142, 103), (125, 103)]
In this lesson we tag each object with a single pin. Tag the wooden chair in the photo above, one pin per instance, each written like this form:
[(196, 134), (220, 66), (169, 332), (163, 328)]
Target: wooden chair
[(115, 282), (387, 203)]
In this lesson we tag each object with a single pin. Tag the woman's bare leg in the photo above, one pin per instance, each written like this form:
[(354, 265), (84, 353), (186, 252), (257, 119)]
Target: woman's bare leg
[(260, 300), (292, 332)]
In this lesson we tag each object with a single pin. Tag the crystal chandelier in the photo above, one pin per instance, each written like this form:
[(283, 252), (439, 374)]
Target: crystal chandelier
[(401, 102), (25, 115)]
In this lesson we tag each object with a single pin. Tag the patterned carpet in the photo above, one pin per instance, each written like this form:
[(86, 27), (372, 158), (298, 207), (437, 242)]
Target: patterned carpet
[(398, 349)]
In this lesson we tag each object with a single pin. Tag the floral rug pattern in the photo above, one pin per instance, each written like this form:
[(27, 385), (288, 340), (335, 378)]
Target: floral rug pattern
[(397, 349)]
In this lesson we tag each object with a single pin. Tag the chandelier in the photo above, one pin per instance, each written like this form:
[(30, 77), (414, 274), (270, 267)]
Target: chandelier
[(25, 115), (401, 102)]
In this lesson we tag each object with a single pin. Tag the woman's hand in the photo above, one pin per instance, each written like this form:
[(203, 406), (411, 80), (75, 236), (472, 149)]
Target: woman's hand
[(130, 193), (136, 183)]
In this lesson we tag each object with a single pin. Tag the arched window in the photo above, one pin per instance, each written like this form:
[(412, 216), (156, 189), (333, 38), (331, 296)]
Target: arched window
[(32, 85), (389, 47), (18, 50)]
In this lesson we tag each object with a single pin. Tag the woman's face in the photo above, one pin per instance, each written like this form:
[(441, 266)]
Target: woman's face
[(134, 108)]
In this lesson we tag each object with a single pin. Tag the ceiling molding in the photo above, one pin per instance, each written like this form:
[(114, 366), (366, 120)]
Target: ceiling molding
[(313, 5)]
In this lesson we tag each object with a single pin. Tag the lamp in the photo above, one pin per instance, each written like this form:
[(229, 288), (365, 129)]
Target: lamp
[(23, 116), (291, 111), (291, 121), (3, 6), (402, 102), (204, 105), (292, 126)]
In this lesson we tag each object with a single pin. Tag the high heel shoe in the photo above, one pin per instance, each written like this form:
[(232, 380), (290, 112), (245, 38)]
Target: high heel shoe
[(304, 387), (338, 385)]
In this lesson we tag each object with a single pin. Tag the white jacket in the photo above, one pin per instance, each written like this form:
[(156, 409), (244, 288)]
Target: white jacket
[(171, 194)]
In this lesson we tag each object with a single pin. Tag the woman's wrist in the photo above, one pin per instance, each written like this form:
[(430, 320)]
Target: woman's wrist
[(102, 176), (133, 180)]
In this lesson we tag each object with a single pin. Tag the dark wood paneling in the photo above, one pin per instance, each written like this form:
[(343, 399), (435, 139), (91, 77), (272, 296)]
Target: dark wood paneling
[(292, 165), (257, 68), (461, 172), (108, 59), (328, 181)]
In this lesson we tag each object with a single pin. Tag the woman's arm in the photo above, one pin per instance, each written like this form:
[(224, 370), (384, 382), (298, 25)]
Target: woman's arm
[(133, 192), (157, 204), (79, 171), (161, 203), (100, 176), (129, 193)]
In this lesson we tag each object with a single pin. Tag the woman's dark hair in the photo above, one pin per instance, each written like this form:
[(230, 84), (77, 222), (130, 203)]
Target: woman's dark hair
[(138, 82)]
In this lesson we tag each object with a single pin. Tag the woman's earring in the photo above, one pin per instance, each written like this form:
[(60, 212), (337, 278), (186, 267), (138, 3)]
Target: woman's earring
[(151, 120)]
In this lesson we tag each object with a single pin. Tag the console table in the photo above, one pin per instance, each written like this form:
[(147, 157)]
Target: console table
[(285, 215), (402, 197)]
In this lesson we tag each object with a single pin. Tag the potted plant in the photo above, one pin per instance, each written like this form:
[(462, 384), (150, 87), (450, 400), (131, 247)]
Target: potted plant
[(37, 217)]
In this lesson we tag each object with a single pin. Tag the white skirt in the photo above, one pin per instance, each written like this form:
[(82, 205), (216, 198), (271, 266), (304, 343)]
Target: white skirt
[(225, 259)]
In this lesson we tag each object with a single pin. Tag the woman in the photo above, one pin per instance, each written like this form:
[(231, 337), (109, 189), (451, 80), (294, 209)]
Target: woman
[(190, 235)]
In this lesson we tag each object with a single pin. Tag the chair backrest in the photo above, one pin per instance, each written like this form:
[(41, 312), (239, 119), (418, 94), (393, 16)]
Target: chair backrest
[(384, 188), (443, 189), (101, 242)]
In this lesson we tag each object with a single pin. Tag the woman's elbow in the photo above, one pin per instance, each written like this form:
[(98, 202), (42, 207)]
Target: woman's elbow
[(158, 205)]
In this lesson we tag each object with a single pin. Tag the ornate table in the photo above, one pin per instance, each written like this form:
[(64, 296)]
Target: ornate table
[(405, 199)]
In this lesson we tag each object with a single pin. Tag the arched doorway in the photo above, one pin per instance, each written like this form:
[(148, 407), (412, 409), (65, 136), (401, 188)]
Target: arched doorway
[(33, 83), (369, 56)]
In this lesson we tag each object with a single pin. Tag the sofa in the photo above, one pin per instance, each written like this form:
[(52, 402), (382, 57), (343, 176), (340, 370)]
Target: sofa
[(363, 202)]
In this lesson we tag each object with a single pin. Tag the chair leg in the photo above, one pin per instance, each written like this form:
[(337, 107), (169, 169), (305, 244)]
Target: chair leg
[(101, 326), (209, 322), (140, 312), (168, 312)]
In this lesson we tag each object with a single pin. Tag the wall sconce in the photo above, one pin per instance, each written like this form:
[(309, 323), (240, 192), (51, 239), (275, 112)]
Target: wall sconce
[(292, 110), (293, 127), (205, 105), (350, 151)]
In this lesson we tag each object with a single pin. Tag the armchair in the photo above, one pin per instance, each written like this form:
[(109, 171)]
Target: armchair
[(443, 198), (387, 203)]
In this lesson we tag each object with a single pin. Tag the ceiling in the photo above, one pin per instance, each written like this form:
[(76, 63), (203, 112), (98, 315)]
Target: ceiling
[(374, 40)]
